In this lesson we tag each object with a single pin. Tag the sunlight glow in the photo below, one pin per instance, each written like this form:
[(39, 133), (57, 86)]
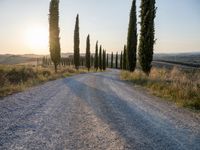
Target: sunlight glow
[(36, 38)]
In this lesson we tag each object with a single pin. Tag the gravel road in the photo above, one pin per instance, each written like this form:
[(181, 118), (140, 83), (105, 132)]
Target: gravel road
[(94, 111)]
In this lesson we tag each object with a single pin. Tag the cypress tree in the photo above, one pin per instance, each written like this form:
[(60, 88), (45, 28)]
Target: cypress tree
[(92, 61), (116, 61), (76, 44), (54, 31), (132, 38), (104, 60), (121, 59), (96, 63), (100, 58), (107, 61), (146, 46), (125, 59), (112, 60), (82, 61), (87, 58)]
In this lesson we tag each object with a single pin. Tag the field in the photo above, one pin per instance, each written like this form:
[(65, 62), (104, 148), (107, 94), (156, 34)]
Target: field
[(184, 58), (180, 86), (15, 78)]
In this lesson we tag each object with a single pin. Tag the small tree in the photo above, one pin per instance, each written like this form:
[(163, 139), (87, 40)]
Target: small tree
[(107, 63), (92, 61), (146, 46), (100, 58), (54, 31), (121, 59), (76, 44), (104, 60), (132, 38), (125, 59), (87, 58), (96, 63), (112, 60), (116, 61)]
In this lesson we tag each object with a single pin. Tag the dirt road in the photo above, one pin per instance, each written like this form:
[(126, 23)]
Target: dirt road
[(94, 111)]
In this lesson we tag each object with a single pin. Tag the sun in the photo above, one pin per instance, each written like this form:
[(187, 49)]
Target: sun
[(36, 38)]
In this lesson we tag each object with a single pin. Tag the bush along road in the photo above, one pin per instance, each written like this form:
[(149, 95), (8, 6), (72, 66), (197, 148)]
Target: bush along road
[(94, 111)]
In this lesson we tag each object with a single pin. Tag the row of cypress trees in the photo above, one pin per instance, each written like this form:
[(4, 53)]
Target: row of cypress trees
[(54, 42), (100, 59), (146, 41), (100, 62), (129, 56)]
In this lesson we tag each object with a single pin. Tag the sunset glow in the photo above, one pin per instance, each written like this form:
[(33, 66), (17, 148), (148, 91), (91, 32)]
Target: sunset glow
[(36, 38)]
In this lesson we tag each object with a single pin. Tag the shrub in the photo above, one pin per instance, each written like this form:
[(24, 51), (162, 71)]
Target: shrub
[(46, 73), (2, 77), (16, 76)]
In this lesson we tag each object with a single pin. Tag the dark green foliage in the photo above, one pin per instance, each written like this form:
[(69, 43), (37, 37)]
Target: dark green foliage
[(104, 60), (76, 44), (125, 59), (87, 58), (82, 61), (100, 58), (112, 60), (16, 76), (146, 46), (2, 77), (132, 38), (116, 61), (96, 63), (54, 39), (92, 61), (107, 63), (121, 60)]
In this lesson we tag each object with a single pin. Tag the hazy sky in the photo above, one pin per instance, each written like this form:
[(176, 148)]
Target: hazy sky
[(177, 25)]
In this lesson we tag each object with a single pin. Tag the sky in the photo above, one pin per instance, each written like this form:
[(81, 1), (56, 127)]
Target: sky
[(24, 25)]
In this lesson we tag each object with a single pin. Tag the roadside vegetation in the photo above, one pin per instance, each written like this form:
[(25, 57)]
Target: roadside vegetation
[(182, 87), (14, 78)]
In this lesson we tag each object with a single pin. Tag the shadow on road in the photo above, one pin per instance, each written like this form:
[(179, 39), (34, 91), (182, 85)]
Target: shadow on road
[(131, 123)]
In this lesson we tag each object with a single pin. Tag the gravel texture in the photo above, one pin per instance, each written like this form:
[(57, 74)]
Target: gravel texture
[(94, 111)]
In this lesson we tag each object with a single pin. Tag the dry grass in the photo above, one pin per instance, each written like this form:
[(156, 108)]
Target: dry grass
[(177, 85), (18, 78)]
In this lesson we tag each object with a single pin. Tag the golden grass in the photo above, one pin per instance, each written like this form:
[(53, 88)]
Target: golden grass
[(18, 78), (182, 87)]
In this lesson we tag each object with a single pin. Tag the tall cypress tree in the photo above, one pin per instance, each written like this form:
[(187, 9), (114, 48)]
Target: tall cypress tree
[(54, 31), (132, 38), (125, 59), (76, 44), (87, 56), (112, 60), (146, 46), (100, 58), (107, 61), (104, 60), (116, 61), (92, 60), (121, 59), (96, 61)]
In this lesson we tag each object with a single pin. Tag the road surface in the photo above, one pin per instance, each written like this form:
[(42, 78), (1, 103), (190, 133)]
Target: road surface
[(94, 111)]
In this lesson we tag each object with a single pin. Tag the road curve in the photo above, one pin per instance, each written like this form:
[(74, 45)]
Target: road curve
[(94, 111)]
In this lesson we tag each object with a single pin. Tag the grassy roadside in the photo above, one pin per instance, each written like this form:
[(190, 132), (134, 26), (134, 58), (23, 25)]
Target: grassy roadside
[(181, 87), (18, 78)]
